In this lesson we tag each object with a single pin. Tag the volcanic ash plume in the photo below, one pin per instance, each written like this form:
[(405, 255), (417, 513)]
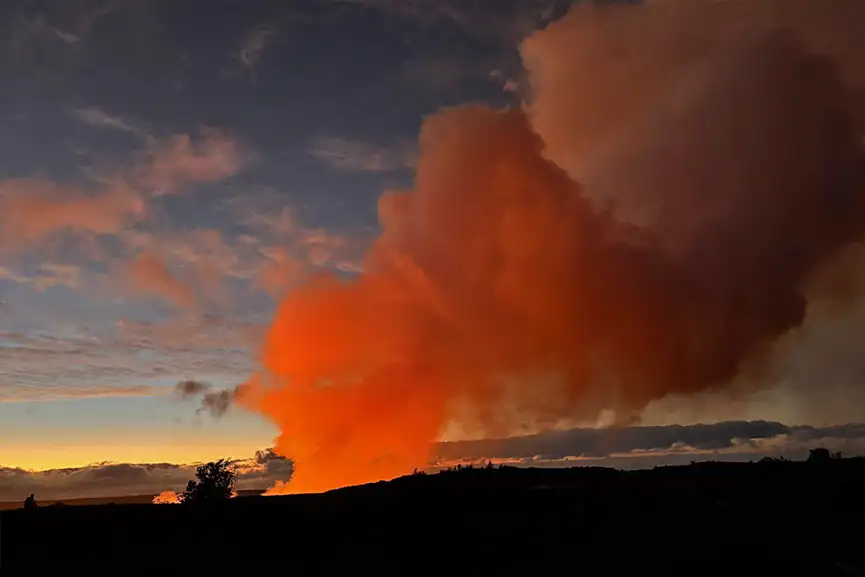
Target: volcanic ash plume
[(500, 289)]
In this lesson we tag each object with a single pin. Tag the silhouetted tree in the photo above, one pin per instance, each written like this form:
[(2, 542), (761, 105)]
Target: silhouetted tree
[(216, 481), (819, 455)]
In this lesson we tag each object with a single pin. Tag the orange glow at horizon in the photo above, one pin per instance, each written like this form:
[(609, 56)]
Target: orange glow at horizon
[(47, 457)]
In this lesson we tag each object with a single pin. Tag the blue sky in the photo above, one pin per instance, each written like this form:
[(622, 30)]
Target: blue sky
[(179, 153)]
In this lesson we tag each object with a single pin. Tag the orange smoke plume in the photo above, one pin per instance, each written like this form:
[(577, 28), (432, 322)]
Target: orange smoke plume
[(501, 294)]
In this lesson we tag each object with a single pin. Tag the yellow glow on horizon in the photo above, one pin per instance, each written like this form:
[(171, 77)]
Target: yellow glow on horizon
[(45, 457)]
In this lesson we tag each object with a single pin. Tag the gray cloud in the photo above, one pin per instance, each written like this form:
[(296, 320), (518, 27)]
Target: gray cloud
[(357, 156), (217, 402), (274, 465), (190, 388), (254, 45), (741, 440), (98, 118), (124, 479)]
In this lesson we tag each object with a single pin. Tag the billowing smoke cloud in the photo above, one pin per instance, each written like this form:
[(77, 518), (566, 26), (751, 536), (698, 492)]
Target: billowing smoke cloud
[(502, 291)]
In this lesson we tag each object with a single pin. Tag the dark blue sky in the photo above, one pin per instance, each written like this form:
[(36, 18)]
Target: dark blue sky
[(191, 158)]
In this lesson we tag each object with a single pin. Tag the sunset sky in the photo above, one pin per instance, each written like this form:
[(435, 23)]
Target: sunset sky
[(248, 135), (172, 169)]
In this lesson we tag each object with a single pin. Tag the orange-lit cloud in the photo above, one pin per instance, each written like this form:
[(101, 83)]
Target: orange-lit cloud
[(148, 274), (182, 160), (501, 293), (34, 210), (279, 272)]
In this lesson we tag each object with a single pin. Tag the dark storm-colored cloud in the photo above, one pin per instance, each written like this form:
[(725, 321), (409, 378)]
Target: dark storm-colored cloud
[(606, 443)]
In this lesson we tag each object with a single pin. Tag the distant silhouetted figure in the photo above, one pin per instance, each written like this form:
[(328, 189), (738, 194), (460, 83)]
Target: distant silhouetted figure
[(30, 502)]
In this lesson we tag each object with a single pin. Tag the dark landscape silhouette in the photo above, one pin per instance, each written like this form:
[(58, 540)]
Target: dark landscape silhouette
[(772, 517)]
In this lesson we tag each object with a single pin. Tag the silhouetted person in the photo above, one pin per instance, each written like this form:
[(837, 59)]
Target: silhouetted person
[(30, 502)]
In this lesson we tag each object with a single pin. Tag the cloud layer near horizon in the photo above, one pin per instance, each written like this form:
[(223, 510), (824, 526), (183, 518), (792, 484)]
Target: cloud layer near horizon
[(624, 448), (127, 479)]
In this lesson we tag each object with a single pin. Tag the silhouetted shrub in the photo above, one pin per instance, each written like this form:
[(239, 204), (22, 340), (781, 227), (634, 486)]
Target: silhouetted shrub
[(216, 481), (819, 455), (766, 460), (822, 455)]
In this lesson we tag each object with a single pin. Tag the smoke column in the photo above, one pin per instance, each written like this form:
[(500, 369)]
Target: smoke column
[(717, 172)]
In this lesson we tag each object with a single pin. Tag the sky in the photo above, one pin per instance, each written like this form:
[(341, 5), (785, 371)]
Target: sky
[(168, 168), (170, 171)]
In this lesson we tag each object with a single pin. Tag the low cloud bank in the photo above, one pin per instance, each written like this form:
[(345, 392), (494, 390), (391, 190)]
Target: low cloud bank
[(638, 447), (121, 479), (625, 448)]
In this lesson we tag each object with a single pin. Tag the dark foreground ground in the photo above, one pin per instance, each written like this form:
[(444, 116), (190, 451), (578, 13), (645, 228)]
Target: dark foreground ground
[(708, 519), (125, 500)]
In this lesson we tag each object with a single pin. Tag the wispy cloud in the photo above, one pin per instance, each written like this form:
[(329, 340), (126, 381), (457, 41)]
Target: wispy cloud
[(148, 274), (508, 24), (254, 45), (170, 165), (33, 210), (358, 156), (65, 36), (36, 210), (100, 119), (46, 275), (30, 393), (123, 360)]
